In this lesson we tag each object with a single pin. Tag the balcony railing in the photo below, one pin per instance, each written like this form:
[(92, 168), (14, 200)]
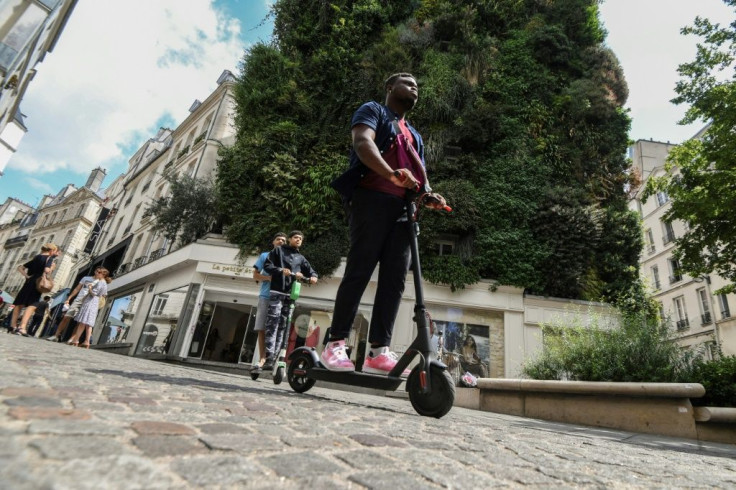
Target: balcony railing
[(668, 238), (122, 269), (651, 249), (156, 254), (683, 324), (705, 319), (138, 262), (675, 278), (127, 229), (14, 242), (725, 313)]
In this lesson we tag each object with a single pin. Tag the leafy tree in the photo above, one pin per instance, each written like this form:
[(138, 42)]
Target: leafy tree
[(187, 213), (521, 108), (701, 178)]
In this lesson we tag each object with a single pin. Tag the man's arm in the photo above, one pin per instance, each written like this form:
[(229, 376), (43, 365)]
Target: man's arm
[(257, 271), (74, 293), (365, 147)]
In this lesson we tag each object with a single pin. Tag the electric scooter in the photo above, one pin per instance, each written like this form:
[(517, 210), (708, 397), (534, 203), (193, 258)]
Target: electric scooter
[(279, 367), (431, 388)]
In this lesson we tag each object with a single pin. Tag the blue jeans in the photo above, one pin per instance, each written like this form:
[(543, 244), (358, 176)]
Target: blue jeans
[(279, 306)]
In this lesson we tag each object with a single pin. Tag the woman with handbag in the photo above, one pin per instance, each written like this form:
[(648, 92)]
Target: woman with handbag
[(37, 272), (91, 305)]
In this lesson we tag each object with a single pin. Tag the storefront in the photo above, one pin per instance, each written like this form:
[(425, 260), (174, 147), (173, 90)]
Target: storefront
[(198, 305)]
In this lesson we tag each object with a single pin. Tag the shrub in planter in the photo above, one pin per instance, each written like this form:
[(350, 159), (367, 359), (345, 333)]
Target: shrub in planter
[(718, 376), (639, 349)]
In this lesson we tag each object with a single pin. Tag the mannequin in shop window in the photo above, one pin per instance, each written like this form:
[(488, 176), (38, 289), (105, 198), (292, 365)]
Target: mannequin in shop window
[(469, 359)]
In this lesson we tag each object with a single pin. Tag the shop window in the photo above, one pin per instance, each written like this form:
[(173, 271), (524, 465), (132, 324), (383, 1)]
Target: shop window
[(468, 338), (120, 317), (160, 325)]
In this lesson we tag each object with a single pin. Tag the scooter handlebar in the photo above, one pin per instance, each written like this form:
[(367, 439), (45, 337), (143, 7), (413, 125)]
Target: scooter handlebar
[(424, 197)]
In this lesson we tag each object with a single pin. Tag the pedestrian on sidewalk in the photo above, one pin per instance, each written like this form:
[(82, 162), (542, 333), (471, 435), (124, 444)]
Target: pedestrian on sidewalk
[(39, 311), (374, 190), (281, 262), (71, 310), (87, 315), (264, 297), (42, 265)]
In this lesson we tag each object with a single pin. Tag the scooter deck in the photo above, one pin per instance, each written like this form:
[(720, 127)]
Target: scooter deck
[(355, 378)]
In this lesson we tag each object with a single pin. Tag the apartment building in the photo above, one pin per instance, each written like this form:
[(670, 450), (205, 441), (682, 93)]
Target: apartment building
[(66, 219), (700, 318), (28, 30)]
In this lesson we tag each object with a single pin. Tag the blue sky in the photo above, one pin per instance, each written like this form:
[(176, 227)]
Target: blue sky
[(107, 87)]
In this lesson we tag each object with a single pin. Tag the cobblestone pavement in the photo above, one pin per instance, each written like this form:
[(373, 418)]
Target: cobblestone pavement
[(74, 418)]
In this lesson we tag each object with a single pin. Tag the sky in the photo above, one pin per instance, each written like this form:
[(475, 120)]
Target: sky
[(108, 86)]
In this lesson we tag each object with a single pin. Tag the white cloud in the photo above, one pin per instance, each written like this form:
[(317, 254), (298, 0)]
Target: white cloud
[(39, 185), (117, 69)]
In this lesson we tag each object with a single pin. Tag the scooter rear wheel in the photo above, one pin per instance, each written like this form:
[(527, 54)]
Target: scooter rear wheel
[(278, 376), (439, 401), (298, 379)]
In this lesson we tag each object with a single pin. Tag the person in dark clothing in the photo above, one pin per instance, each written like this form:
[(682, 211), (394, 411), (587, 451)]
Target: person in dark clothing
[(39, 313), (280, 264), (374, 189), (42, 264)]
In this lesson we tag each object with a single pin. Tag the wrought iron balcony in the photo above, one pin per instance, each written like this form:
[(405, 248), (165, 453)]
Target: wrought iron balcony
[(705, 319), (675, 278), (683, 324)]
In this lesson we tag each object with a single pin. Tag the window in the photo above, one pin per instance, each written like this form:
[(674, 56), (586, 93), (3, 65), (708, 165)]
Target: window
[(662, 198), (681, 312), (53, 219), (63, 215), (669, 233), (723, 304), (159, 304), (80, 211), (704, 306), (655, 278), (650, 241), (675, 272)]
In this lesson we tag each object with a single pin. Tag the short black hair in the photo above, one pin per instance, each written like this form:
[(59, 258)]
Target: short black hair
[(296, 232), (46, 298), (392, 79), (279, 234)]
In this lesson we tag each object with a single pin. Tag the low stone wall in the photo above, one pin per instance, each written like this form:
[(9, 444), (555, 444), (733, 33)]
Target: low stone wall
[(651, 408), (717, 424)]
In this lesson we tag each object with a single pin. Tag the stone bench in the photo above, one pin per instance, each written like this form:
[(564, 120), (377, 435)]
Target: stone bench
[(651, 408)]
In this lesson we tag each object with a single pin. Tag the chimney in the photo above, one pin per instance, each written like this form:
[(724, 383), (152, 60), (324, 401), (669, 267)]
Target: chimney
[(95, 179)]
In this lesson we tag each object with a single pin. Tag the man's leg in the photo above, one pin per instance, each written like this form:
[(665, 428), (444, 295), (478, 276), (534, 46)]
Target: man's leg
[(283, 325), (14, 318), (272, 326), (372, 218), (59, 334), (395, 260)]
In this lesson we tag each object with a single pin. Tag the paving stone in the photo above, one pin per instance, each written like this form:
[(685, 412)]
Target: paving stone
[(112, 472), (392, 480), (75, 447), (375, 440), (157, 446), (161, 428), (33, 401), (74, 427), (11, 391), (221, 471), (244, 443), (364, 459), (130, 400), (302, 465), (223, 428), (28, 413)]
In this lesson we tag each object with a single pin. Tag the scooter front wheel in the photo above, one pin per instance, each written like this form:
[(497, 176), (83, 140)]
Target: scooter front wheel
[(298, 379), (278, 376), (439, 401)]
